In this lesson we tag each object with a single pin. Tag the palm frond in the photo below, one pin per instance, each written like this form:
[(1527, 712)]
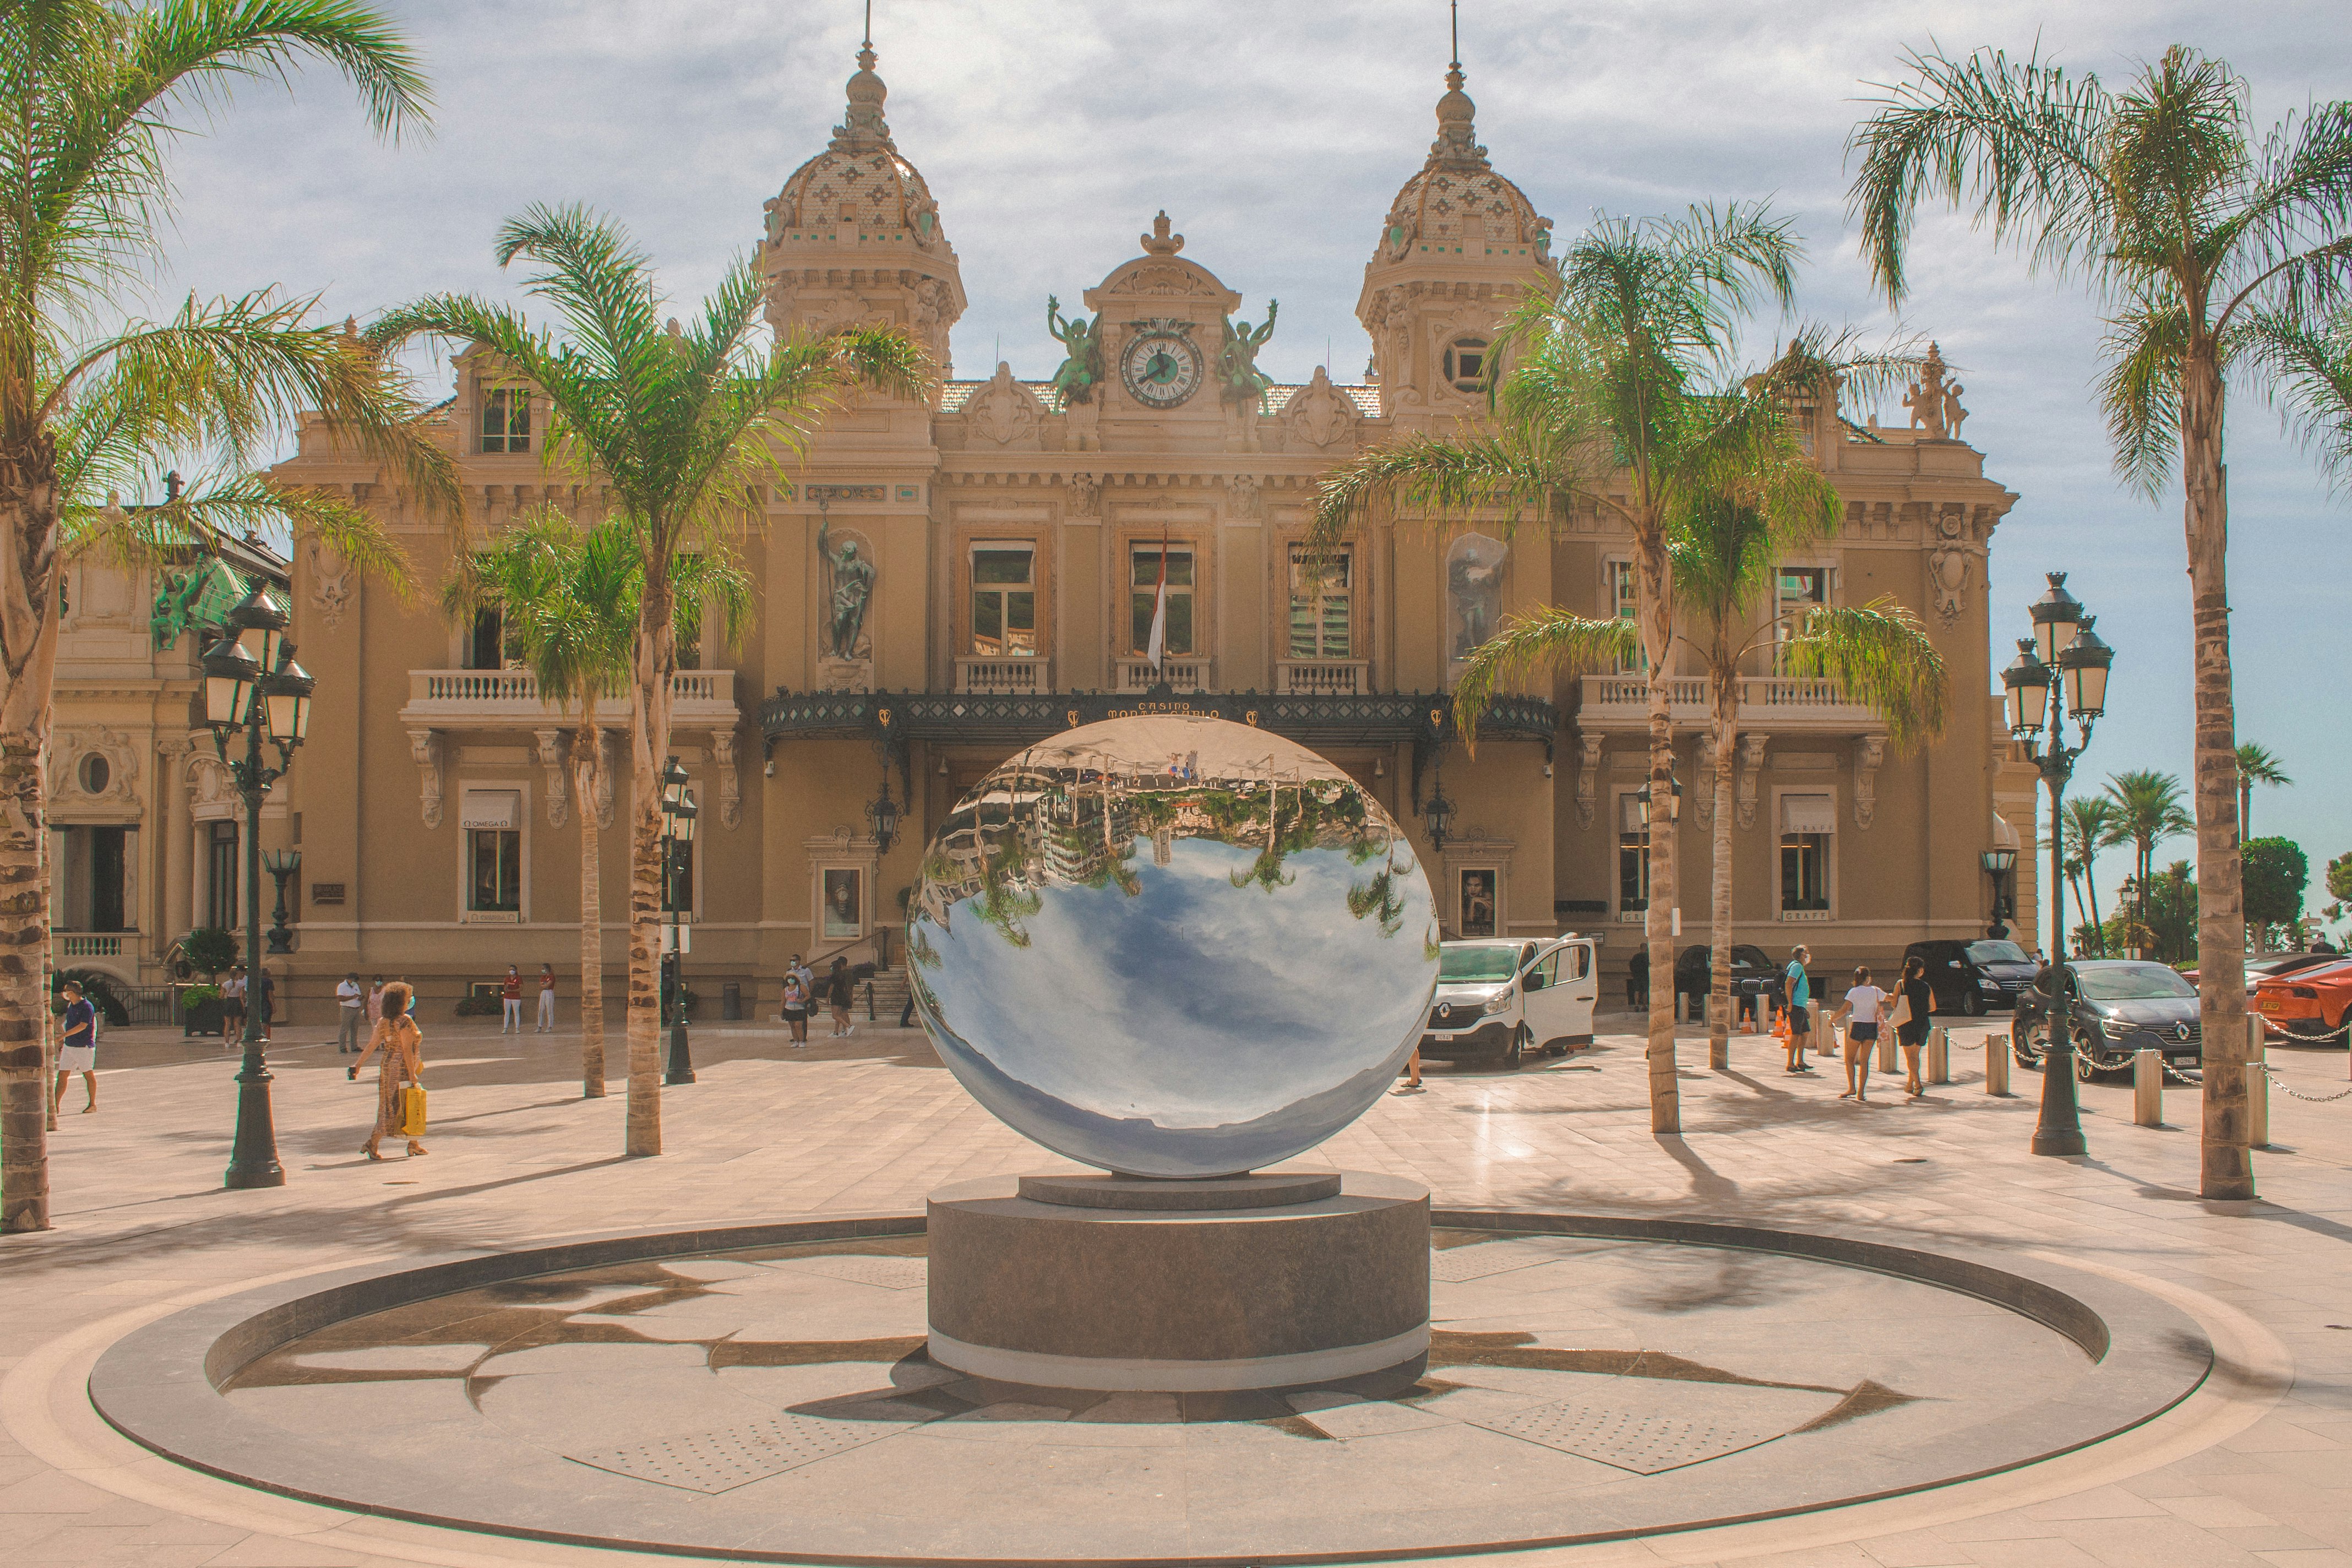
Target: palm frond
[(1882, 655), (2140, 388), (1550, 639), (2310, 381), (1450, 477)]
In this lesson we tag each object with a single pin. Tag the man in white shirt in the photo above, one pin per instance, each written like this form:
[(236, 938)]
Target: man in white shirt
[(352, 1005)]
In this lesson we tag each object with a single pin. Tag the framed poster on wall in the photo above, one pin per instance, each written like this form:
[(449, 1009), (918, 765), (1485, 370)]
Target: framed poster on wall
[(844, 914)]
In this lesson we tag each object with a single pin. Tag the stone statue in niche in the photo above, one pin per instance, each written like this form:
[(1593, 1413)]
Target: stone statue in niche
[(850, 587), (1237, 365), (1473, 592), (1081, 341), (1929, 401)]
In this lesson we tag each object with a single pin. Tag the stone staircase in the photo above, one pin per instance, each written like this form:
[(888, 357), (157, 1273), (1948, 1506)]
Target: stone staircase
[(889, 996)]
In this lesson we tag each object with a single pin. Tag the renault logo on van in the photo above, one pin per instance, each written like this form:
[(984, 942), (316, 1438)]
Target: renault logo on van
[(2180, 1031)]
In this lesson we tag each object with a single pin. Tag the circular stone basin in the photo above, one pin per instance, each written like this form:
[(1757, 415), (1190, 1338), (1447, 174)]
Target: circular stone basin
[(765, 1394)]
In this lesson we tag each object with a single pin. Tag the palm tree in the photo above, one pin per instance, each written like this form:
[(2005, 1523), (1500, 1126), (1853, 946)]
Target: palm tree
[(1606, 406), (2084, 825), (2147, 810), (2256, 765), (92, 90), (568, 598), (682, 425), (2216, 256)]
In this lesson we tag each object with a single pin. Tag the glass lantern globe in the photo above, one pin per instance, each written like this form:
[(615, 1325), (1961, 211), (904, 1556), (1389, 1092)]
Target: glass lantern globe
[(1172, 946)]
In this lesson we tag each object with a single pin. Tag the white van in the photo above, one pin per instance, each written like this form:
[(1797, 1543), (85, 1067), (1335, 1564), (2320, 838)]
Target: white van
[(1499, 1000)]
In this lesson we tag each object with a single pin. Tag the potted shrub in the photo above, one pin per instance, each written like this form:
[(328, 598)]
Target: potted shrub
[(208, 950)]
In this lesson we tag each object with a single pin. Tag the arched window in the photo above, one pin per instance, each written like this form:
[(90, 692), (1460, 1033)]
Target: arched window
[(1465, 363), (1473, 592)]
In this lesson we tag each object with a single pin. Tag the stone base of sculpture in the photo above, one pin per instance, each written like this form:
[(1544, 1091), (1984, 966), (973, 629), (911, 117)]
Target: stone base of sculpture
[(845, 674), (1279, 1280)]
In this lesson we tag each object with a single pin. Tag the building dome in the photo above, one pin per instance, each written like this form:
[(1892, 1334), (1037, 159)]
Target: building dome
[(1457, 205), (859, 189)]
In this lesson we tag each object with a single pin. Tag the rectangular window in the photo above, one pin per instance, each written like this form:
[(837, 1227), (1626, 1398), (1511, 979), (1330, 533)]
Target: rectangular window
[(1003, 602), (1624, 595), (220, 886), (1633, 855), (495, 879), (486, 644), (1806, 822), (1319, 605), (505, 420), (1801, 588), (1146, 574)]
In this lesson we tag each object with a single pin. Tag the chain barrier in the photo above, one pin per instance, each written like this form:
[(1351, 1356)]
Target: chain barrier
[(2337, 1032), (2272, 1073), (2176, 1076)]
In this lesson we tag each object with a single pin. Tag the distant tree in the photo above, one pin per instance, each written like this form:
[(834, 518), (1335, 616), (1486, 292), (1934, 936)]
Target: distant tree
[(2085, 825), (2255, 766), (2339, 876), (2276, 871), (2170, 918)]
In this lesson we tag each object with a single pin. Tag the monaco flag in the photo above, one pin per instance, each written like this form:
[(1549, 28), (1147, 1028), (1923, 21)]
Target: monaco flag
[(1160, 608)]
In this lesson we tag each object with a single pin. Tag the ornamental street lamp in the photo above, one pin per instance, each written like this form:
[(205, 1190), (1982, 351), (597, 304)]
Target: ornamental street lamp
[(1673, 802), (252, 684), (1439, 812), (678, 864), (1998, 865), (281, 863), (2063, 666), (882, 812)]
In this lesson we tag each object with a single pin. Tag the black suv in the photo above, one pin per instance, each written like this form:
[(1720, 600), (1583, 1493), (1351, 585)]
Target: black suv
[(1973, 977), (1753, 973)]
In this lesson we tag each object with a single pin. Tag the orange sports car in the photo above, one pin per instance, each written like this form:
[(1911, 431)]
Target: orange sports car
[(2306, 1003)]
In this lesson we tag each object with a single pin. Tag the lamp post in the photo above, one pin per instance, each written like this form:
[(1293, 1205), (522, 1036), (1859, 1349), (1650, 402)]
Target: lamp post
[(281, 865), (2063, 666), (1439, 812), (882, 811), (1998, 865), (252, 684), (678, 811), (2135, 900)]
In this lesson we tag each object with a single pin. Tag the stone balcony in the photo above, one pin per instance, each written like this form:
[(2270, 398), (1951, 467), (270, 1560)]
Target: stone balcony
[(993, 677), (1184, 675), (1322, 677), (509, 699), (1775, 704)]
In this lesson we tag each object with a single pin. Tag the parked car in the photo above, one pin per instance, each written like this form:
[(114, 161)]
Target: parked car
[(2308, 1000), (1753, 973), (2120, 1006), (1497, 1000), (1974, 977), (2275, 964)]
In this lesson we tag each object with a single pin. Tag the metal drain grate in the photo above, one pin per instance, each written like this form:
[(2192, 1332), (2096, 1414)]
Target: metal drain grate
[(738, 1456), (1479, 1261), (1643, 1443), (889, 1273)]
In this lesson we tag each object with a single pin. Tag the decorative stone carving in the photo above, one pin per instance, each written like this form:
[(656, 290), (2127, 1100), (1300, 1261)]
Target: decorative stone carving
[(1005, 411), (210, 784), (68, 777), (330, 580), (606, 768), (1589, 749), (1473, 592), (1248, 498), (849, 588), (1948, 565), (1869, 751), (552, 757), (1702, 797), (1319, 416), (425, 748), (1929, 400), (1086, 495), (731, 784), (1751, 764)]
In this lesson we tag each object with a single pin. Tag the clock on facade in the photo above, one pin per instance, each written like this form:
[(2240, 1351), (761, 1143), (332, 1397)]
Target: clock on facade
[(1161, 369)]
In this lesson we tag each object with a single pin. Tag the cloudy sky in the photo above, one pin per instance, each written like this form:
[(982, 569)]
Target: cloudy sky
[(1274, 136)]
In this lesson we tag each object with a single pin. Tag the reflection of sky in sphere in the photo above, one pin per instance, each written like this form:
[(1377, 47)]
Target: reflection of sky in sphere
[(1195, 1002)]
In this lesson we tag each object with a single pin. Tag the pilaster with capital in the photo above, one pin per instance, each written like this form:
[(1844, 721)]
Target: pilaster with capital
[(425, 748), (1869, 751), (552, 757)]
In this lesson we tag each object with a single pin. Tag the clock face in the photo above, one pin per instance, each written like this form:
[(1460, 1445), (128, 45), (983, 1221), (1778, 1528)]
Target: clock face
[(1161, 370)]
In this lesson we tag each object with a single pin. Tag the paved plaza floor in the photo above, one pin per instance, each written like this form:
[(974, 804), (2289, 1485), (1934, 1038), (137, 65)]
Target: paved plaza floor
[(2255, 1467)]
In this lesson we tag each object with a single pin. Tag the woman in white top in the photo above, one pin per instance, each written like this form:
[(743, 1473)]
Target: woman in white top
[(1861, 1012)]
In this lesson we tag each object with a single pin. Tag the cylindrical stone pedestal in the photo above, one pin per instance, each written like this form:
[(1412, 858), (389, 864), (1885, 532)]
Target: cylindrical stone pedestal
[(1213, 1297)]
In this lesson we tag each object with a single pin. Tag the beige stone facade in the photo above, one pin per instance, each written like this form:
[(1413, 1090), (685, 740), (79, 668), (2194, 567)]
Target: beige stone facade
[(1008, 548)]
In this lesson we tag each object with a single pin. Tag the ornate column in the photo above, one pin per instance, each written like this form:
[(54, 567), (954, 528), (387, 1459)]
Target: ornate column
[(179, 864)]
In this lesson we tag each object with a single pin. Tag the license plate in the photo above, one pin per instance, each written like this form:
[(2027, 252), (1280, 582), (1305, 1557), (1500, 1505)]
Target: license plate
[(2266, 1003)]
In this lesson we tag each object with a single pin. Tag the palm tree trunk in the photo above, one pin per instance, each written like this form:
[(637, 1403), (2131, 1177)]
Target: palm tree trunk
[(1654, 612), (2098, 926), (586, 754), (1719, 999), (2245, 807), (28, 652), (649, 714), (2227, 1168)]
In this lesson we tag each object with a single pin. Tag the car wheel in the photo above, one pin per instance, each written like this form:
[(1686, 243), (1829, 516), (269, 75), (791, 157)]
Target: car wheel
[(1514, 1053), (2031, 1044), (1973, 1005)]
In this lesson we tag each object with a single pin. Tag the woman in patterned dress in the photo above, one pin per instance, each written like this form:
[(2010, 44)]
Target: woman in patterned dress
[(403, 1045)]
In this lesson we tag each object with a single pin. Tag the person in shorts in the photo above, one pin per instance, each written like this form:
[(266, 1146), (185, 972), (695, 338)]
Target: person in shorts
[(232, 1001), (351, 1011), (1862, 1013), (77, 1053), (796, 1004), (1801, 1007)]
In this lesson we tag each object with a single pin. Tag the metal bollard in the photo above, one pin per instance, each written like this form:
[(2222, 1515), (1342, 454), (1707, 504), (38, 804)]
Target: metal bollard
[(2148, 1087), (1885, 1047), (1939, 1055), (1996, 1050), (2258, 1089)]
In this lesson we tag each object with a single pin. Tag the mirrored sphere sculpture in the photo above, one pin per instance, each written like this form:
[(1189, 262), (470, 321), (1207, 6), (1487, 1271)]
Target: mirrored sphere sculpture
[(1172, 946)]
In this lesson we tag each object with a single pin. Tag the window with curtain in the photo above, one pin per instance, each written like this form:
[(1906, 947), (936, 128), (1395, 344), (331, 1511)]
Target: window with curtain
[(1320, 606), (505, 420), (1801, 588), (1623, 596), (1146, 576), (1004, 601), (1807, 822)]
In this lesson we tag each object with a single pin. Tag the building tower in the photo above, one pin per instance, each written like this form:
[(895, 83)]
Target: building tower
[(1459, 244)]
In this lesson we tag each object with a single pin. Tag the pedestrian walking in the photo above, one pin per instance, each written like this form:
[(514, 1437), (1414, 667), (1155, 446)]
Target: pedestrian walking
[(231, 1000), (512, 992), (808, 975), (403, 1045), (1637, 977), (261, 996), (839, 988), (1862, 1011), (78, 1052), (796, 1005), (1801, 1007), (352, 1011), (374, 1002), (547, 998), (1412, 1084), (1915, 1001)]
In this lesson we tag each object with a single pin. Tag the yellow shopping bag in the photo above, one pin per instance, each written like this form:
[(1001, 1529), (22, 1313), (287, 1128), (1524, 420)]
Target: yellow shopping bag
[(412, 1111)]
